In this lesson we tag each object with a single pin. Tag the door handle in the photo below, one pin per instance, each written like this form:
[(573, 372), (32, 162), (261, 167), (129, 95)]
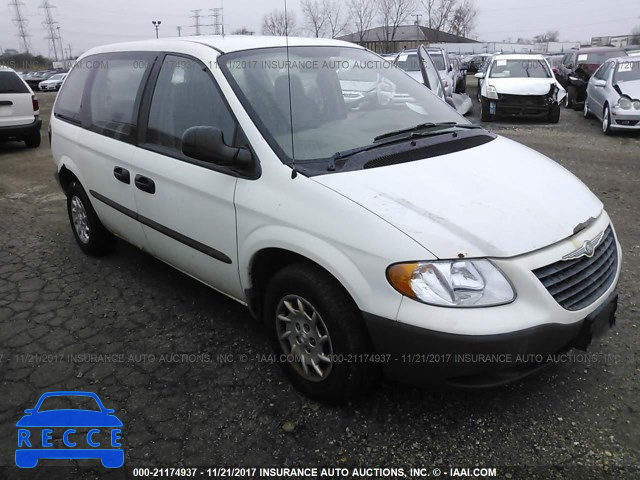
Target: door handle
[(145, 184), (122, 174)]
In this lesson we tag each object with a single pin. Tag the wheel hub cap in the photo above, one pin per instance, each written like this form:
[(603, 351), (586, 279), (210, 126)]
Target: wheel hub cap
[(80, 220), (304, 338)]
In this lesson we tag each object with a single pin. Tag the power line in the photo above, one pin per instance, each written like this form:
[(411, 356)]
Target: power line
[(50, 25), (21, 22), (196, 17)]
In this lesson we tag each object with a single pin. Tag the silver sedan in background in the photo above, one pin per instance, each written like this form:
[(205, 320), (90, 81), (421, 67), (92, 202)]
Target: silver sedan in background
[(613, 94)]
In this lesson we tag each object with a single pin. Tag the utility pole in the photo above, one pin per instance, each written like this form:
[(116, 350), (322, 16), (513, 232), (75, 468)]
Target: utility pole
[(179, 31), (418, 18), (156, 24), (21, 22), (50, 25), (70, 53), (61, 47), (218, 21), (196, 17)]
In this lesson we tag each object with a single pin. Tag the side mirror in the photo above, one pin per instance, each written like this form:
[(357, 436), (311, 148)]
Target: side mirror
[(207, 144), (109, 411), (599, 83), (29, 411), (479, 75)]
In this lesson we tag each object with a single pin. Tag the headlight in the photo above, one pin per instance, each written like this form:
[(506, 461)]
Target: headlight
[(624, 103), (636, 104), (492, 92), (453, 283)]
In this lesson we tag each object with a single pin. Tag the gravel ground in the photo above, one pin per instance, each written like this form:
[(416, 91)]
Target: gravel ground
[(223, 406)]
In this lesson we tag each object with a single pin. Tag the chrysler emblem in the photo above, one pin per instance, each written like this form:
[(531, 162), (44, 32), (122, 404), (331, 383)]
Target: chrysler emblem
[(587, 249)]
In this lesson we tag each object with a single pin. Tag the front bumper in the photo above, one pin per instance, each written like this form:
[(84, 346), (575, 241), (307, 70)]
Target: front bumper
[(416, 355), (535, 323), (18, 132), (625, 119), (523, 105)]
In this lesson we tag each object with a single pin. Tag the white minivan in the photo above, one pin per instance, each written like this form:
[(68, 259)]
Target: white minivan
[(373, 236)]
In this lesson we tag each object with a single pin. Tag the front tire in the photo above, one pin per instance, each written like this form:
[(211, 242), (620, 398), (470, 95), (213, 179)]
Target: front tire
[(554, 114), (318, 334), (572, 96), (92, 237), (606, 121), (585, 109), (485, 113)]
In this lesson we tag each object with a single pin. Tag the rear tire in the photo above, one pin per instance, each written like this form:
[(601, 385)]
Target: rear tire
[(33, 140), (312, 321), (92, 237)]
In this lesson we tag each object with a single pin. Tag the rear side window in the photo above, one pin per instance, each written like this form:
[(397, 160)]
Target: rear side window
[(10, 82), (114, 95), (186, 96), (70, 97)]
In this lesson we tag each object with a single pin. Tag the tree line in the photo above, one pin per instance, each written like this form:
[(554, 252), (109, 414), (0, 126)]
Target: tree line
[(334, 18)]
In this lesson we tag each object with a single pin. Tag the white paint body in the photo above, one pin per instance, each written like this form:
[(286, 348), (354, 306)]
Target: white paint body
[(501, 200)]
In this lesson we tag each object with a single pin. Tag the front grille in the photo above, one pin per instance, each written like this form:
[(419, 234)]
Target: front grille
[(524, 100), (576, 284)]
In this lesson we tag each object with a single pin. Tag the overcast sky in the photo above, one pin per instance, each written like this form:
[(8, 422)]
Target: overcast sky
[(86, 24)]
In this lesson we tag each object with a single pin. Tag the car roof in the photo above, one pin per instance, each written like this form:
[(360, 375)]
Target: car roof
[(519, 56), (627, 58), (4, 68), (224, 44), (599, 49)]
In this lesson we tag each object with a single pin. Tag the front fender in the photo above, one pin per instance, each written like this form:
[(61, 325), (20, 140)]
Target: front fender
[(329, 257)]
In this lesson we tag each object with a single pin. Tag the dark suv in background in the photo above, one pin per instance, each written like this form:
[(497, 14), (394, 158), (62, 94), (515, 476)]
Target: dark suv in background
[(578, 66)]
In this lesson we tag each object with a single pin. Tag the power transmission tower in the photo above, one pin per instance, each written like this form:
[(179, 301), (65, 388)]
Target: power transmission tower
[(21, 22), (50, 25), (196, 17), (218, 20)]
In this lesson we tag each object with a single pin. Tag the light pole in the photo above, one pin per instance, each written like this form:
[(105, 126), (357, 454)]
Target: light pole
[(418, 17), (156, 24)]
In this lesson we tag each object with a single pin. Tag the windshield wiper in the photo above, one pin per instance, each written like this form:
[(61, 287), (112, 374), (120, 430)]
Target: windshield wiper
[(391, 138), (423, 126)]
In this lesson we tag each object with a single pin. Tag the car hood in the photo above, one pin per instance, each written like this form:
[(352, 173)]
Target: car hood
[(522, 86), (632, 88), (499, 199), (69, 418)]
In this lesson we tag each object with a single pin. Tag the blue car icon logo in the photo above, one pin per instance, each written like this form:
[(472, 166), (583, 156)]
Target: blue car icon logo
[(48, 431)]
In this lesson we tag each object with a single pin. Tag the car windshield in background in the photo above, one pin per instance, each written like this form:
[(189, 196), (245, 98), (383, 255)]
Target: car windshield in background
[(10, 83), (519, 69), (328, 115), (59, 76), (627, 71), (438, 59), (409, 62), (598, 58)]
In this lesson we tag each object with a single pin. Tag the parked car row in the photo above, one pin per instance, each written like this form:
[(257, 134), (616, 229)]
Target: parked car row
[(41, 80)]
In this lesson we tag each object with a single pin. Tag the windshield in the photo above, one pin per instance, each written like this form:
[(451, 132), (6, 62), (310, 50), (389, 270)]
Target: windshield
[(66, 402), (627, 71), (329, 114), (59, 76), (438, 59), (501, 68), (408, 62)]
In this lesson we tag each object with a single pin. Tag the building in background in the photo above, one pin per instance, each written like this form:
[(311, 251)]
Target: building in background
[(406, 36), (615, 41)]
